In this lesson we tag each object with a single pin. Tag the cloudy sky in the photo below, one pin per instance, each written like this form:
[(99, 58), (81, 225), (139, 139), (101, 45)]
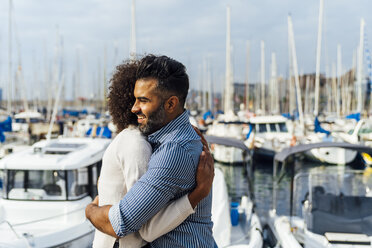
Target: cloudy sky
[(189, 31)]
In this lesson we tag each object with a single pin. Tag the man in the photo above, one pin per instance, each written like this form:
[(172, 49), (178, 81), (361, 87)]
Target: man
[(161, 89)]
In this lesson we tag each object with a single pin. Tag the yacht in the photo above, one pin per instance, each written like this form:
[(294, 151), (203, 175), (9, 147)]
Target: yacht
[(268, 135), (228, 126), (330, 155), (22, 120), (328, 206), (44, 192)]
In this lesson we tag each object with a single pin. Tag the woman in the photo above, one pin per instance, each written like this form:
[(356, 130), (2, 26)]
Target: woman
[(126, 159)]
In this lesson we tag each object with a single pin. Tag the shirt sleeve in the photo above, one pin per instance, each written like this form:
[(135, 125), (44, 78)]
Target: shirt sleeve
[(167, 219), (171, 173)]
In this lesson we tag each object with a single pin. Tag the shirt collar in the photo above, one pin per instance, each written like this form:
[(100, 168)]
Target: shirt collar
[(160, 135)]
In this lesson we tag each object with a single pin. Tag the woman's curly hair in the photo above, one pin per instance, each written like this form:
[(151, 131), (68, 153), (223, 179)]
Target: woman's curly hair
[(121, 97)]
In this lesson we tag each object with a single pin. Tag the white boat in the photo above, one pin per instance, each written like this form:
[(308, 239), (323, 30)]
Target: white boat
[(268, 135), (228, 126), (330, 155), (22, 120), (236, 224), (13, 143), (45, 190), (83, 125), (328, 207)]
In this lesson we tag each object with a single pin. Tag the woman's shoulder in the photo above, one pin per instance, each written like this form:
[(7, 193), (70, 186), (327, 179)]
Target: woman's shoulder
[(132, 136)]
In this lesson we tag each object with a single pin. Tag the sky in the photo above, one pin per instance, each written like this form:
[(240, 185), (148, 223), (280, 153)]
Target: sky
[(191, 32)]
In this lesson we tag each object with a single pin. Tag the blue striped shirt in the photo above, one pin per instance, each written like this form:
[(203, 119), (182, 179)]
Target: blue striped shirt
[(170, 175)]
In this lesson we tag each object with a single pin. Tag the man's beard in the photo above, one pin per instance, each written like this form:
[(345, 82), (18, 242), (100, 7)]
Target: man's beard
[(154, 121)]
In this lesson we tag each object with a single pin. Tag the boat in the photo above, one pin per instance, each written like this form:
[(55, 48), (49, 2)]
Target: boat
[(236, 223), (32, 125), (44, 192), (267, 136), (329, 155), (228, 126), (327, 207), (22, 120)]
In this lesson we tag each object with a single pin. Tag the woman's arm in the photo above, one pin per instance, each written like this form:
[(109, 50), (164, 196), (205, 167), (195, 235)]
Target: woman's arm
[(177, 211)]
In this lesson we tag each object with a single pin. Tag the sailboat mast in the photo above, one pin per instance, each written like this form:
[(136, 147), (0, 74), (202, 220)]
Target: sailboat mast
[(10, 84), (291, 100), (247, 79), (263, 77), (228, 107), (360, 67), (334, 91), (339, 82), (295, 70), (318, 52), (132, 52), (273, 86)]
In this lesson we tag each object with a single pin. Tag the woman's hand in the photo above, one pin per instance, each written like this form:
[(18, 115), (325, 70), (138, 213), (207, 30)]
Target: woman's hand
[(204, 174)]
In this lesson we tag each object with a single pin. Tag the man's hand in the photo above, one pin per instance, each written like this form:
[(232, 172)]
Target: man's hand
[(98, 216), (204, 174)]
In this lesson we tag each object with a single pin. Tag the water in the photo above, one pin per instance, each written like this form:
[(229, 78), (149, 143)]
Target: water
[(261, 184)]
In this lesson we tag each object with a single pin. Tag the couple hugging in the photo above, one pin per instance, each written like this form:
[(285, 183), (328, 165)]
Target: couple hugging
[(156, 176)]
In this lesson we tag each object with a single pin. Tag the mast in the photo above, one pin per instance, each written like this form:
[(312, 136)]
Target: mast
[(295, 70), (274, 104), (318, 52), (10, 84), (204, 86), (334, 91), (132, 52), (291, 100), (247, 79), (209, 86), (104, 80), (263, 77), (339, 82), (360, 67), (228, 80), (77, 80), (307, 82)]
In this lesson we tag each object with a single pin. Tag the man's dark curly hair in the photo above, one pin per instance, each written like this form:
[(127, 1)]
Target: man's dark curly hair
[(121, 97)]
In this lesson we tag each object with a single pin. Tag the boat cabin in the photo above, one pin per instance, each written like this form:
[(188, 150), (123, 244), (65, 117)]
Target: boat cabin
[(61, 170)]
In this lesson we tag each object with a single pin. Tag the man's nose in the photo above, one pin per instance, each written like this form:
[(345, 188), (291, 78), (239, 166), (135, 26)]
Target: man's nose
[(135, 108)]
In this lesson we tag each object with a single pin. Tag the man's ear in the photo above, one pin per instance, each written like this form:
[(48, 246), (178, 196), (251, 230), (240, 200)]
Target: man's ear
[(171, 104)]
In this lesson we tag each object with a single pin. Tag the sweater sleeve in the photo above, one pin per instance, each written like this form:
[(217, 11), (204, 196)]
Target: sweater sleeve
[(167, 219)]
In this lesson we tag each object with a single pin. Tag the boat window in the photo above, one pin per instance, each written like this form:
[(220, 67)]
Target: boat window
[(35, 185), (2, 178), (35, 120), (262, 128), (365, 129), (20, 120), (283, 127), (273, 127), (78, 182)]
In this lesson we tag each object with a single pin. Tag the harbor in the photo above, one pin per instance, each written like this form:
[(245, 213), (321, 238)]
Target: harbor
[(284, 103)]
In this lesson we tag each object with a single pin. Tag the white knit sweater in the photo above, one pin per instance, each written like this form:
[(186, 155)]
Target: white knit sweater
[(124, 162)]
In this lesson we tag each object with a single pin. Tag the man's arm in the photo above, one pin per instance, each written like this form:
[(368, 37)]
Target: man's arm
[(175, 213), (98, 216), (171, 173)]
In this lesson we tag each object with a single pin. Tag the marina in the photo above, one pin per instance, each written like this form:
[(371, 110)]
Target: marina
[(282, 94)]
